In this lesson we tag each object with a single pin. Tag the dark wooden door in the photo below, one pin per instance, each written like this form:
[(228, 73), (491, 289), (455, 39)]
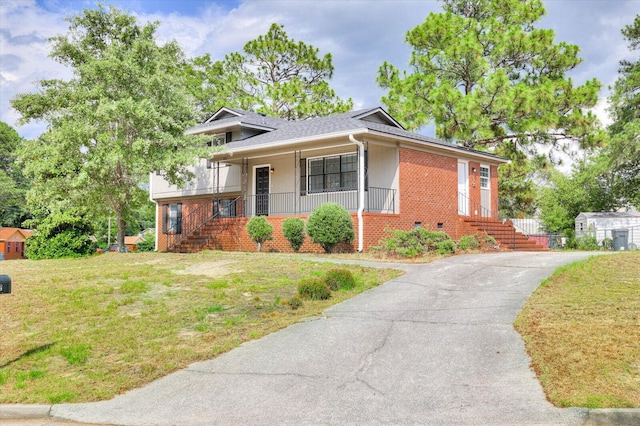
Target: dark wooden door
[(262, 191)]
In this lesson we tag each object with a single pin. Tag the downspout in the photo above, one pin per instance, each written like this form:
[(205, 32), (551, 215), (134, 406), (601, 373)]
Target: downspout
[(360, 191), (155, 244)]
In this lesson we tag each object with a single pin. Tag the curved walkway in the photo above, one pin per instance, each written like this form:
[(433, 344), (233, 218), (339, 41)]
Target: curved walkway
[(434, 346)]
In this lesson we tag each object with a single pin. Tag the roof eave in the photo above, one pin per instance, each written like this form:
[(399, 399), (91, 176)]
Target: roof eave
[(234, 124), (363, 131)]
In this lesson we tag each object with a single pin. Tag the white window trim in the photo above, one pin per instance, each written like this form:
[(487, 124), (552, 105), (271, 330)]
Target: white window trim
[(308, 176), (486, 179)]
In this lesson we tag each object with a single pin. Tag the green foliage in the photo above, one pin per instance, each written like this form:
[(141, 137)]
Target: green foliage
[(121, 116), (148, 244), (295, 303), (588, 242), (623, 153), (337, 279), (329, 225), (61, 234), (259, 230), (13, 184), (293, 230), (274, 75), (587, 189), (476, 242), (313, 288), (485, 74), (469, 242), (490, 80), (416, 242)]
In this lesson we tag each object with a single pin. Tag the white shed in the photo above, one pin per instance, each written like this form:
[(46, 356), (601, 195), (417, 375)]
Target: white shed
[(623, 228)]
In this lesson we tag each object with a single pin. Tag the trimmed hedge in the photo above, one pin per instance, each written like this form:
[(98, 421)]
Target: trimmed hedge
[(329, 225), (339, 279), (313, 288)]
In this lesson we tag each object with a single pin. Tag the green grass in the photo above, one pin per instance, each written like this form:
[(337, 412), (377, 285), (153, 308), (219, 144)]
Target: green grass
[(582, 330), (87, 329)]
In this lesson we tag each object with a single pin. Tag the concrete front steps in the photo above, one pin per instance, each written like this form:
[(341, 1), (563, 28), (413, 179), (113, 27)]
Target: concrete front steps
[(504, 233)]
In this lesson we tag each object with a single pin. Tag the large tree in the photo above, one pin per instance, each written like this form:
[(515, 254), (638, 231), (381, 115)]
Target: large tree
[(13, 183), (274, 75), (623, 151), (120, 117), (489, 79)]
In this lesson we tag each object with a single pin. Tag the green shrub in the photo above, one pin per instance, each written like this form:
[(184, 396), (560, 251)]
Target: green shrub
[(329, 225), (293, 230), (259, 230), (59, 235), (446, 247), (587, 242), (295, 302), (416, 242), (148, 244), (337, 279), (469, 242), (313, 288)]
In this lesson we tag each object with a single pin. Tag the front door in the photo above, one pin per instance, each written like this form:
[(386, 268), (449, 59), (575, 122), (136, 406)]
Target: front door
[(262, 191), (463, 189), (485, 191)]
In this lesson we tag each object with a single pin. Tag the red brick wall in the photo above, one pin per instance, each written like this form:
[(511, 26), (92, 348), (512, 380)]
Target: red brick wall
[(8, 248)]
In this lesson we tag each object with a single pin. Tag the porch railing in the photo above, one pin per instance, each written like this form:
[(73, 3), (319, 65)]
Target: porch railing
[(377, 200)]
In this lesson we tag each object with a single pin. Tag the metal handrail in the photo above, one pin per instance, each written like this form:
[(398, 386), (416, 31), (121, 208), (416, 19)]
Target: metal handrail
[(475, 206)]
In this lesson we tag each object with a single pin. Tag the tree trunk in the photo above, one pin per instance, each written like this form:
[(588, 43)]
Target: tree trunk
[(122, 225)]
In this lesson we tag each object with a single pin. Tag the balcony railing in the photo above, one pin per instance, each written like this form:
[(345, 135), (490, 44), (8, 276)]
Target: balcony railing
[(377, 200)]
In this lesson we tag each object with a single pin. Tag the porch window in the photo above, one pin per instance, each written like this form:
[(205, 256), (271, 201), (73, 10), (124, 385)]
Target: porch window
[(172, 218), (225, 208), (484, 177), (335, 173)]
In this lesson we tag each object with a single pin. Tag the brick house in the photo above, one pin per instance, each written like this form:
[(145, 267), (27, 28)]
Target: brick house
[(387, 177), (12, 242)]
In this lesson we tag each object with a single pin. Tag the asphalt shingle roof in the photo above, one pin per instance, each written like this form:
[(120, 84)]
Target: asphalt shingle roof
[(352, 121)]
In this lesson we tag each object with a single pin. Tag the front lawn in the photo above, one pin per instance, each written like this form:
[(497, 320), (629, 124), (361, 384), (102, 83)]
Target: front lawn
[(582, 330), (87, 329)]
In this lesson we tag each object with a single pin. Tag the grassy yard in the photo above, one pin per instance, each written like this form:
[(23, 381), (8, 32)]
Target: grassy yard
[(87, 329), (582, 330)]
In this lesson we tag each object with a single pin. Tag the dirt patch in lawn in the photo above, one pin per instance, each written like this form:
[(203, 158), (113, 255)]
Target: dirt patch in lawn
[(210, 269)]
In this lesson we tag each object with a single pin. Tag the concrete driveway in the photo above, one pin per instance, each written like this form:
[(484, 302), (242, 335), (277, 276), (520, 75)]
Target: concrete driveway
[(434, 346)]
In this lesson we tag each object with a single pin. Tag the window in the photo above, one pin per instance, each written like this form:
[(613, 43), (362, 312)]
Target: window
[(484, 177), (217, 140), (8, 246), (335, 173), (172, 219), (225, 208)]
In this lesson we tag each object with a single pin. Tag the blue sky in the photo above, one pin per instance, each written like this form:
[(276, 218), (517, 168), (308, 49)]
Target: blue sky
[(360, 35)]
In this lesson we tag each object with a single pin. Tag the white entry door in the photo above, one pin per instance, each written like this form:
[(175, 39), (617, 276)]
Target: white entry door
[(463, 188), (485, 190)]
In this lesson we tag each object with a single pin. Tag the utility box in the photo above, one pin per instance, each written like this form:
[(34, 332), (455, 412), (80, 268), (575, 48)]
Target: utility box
[(5, 284), (620, 239)]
